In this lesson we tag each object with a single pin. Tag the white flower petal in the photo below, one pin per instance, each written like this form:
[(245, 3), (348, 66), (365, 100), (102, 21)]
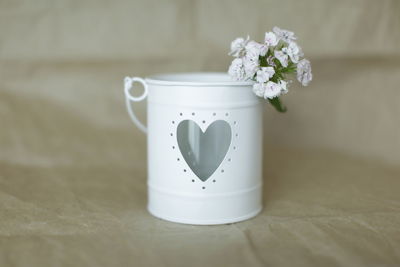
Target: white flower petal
[(237, 46), (272, 90), (254, 50), (294, 52), (304, 74), (264, 74), (282, 57), (251, 66), (285, 35), (263, 49), (259, 89), (271, 39), (236, 69), (284, 86)]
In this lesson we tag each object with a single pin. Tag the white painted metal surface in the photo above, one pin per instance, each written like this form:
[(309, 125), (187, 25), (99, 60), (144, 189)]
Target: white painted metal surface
[(204, 147)]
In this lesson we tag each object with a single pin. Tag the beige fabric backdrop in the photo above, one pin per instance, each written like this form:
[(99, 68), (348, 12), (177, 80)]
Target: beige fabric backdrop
[(72, 166)]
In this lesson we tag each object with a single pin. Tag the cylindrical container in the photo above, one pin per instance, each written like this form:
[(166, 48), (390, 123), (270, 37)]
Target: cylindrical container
[(204, 147)]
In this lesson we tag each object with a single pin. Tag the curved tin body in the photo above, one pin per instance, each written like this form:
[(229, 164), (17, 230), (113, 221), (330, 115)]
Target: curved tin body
[(204, 148)]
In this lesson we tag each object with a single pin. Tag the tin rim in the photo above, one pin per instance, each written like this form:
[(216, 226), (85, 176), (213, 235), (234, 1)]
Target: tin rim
[(196, 79)]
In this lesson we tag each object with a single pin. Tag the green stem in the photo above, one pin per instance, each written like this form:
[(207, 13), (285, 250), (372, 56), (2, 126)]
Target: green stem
[(276, 103)]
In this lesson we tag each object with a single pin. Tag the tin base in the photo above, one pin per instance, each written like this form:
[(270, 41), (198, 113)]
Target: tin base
[(205, 209)]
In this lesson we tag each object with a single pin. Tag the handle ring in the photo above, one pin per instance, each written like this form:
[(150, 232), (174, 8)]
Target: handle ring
[(128, 86), (128, 83)]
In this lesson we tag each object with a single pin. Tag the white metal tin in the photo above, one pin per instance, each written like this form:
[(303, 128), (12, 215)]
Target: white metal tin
[(196, 173)]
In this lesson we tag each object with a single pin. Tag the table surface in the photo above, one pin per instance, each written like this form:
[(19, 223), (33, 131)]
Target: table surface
[(85, 206)]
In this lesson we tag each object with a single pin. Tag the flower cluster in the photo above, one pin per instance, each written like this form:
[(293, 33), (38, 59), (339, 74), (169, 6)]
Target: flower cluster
[(269, 63)]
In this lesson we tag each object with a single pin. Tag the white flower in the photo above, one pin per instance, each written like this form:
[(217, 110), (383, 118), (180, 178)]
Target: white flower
[(282, 57), (254, 49), (264, 74), (284, 86), (281, 47), (237, 46), (271, 39), (293, 51), (236, 69), (272, 90), (304, 74), (284, 35), (251, 66), (259, 89), (263, 49)]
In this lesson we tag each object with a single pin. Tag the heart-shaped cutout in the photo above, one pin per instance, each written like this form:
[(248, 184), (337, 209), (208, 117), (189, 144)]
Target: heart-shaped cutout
[(204, 151)]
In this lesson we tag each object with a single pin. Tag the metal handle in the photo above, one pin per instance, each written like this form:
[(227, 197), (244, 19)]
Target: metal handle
[(128, 83)]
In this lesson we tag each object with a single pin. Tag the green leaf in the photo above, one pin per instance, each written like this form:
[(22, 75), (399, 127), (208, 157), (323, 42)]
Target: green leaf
[(263, 61), (289, 69), (276, 102)]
